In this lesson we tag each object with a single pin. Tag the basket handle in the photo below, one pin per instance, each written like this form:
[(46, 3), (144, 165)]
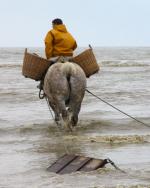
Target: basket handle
[(25, 50), (90, 47)]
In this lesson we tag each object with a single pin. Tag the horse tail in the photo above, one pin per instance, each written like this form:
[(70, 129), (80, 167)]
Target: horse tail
[(68, 69), (68, 77)]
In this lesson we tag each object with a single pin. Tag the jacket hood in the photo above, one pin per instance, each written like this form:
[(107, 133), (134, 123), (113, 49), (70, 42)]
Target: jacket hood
[(61, 28)]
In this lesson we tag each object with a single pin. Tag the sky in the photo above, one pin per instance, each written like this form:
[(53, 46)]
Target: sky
[(24, 23)]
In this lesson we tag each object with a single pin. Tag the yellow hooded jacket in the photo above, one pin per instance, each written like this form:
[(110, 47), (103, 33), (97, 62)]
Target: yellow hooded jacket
[(59, 42)]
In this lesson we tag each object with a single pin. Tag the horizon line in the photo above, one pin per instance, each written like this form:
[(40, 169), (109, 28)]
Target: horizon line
[(123, 46)]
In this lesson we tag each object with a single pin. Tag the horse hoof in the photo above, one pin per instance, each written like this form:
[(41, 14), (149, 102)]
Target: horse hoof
[(68, 128), (58, 123), (74, 129)]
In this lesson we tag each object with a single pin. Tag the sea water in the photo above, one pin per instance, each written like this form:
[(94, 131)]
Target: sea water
[(30, 140)]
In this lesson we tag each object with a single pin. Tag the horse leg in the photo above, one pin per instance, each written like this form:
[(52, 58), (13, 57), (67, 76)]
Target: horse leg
[(58, 119), (56, 112), (75, 109), (65, 116)]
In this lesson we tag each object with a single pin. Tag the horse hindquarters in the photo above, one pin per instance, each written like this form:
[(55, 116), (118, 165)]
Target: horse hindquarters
[(65, 84), (57, 90)]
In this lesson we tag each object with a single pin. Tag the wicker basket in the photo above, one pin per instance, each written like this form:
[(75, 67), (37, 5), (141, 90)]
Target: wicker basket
[(87, 61), (34, 67)]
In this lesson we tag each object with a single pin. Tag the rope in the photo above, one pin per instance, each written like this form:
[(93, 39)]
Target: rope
[(118, 109), (115, 166), (58, 128), (49, 108)]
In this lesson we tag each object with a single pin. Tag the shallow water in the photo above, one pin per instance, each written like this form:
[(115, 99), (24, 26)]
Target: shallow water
[(30, 141)]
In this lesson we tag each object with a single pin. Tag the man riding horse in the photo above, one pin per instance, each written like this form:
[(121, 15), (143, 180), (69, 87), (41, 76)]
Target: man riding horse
[(59, 43), (64, 83)]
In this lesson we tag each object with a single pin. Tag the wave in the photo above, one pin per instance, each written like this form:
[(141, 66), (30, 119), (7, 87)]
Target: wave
[(124, 63), (10, 65), (105, 63), (112, 139)]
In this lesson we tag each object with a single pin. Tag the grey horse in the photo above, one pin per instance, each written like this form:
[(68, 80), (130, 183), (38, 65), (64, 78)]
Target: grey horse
[(64, 86)]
